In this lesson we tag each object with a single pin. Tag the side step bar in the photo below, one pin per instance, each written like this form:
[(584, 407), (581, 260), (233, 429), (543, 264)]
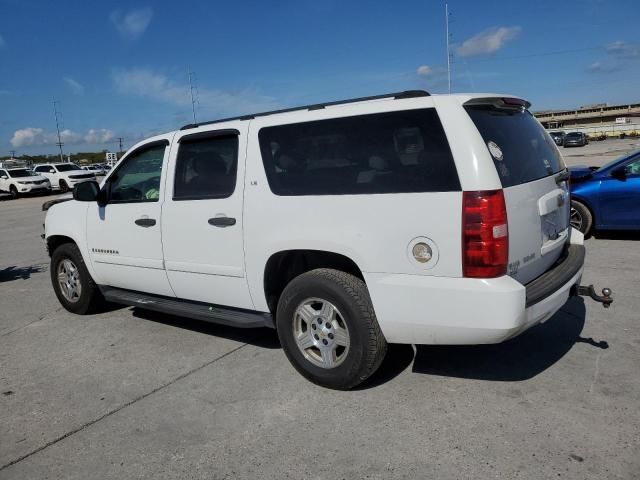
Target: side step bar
[(186, 308)]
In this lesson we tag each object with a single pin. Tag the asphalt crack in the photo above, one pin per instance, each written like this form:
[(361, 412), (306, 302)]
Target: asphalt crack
[(120, 408)]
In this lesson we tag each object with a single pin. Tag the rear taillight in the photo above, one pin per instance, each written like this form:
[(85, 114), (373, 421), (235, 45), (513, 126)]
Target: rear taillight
[(485, 236)]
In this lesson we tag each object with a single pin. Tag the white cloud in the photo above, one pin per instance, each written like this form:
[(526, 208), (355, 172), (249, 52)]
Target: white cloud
[(31, 136), (75, 86), (132, 24), (101, 135), (424, 70), (624, 50), (147, 83), (599, 67), (2, 42), (488, 41)]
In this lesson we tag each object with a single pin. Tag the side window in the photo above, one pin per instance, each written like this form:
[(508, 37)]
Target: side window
[(206, 167), (3, 173), (138, 178), (394, 152), (40, 169), (633, 168)]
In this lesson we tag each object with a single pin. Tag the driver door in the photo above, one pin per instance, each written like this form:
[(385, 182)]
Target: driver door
[(123, 236)]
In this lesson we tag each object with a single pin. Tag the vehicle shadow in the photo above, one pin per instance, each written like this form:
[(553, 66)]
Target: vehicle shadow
[(617, 235), (14, 273), (518, 359), (260, 337)]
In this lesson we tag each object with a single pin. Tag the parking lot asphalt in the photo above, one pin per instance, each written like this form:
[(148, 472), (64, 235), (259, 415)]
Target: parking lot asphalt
[(128, 393)]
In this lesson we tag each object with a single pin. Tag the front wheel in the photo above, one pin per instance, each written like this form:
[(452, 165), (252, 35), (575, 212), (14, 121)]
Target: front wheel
[(581, 218), (64, 188), (13, 191), (72, 283), (328, 328)]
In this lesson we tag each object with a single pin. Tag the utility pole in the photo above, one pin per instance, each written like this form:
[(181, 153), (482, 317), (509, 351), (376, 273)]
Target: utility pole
[(193, 98), (13, 154), (120, 139), (59, 143), (446, 15)]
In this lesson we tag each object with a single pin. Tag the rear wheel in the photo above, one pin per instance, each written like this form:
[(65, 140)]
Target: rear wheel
[(328, 329), (581, 218), (64, 188), (74, 287), (13, 191)]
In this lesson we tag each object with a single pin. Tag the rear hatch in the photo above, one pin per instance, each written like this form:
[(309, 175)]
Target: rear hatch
[(533, 177)]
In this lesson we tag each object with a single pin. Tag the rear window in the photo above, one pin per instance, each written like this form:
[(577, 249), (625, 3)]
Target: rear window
[(520, 147), (396, 152)]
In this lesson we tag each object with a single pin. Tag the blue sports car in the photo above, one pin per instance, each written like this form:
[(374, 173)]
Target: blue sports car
[(606, 198)]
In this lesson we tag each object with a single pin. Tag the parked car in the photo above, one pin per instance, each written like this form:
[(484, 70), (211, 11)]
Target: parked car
[(401, 218), (558, 137), (607, 198), (95, 168), (64, 175), (18, 181), (575, 139)]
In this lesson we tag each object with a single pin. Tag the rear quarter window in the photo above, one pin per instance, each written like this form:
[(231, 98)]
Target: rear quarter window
[(521, 149), (394, 152)]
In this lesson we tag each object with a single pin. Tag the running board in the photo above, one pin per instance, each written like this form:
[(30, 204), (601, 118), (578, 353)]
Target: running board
[(190, 309)]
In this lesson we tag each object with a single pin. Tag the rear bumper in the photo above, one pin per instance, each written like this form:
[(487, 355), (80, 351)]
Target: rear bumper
[(462, 311)]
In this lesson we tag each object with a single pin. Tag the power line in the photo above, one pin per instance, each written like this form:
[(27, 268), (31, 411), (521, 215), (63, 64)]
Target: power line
[(59, 143), (446, 18)]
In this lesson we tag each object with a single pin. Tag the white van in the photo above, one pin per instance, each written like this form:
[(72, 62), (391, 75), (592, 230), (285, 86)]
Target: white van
[(401, 218)]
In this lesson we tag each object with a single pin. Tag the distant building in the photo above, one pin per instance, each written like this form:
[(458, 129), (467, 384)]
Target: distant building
[(592, 117)]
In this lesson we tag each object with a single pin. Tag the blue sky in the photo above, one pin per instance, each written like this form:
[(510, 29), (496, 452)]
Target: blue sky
[(119, 69)]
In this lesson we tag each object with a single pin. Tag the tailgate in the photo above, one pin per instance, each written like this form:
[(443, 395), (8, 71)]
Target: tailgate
[(533, 174)]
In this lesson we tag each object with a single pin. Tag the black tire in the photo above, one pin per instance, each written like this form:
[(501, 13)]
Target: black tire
[(581, 217), (90, 298), (13, 191), (349, 294), (64, 188)]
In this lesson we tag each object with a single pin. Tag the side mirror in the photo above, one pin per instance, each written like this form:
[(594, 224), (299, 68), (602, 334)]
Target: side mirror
[(4, 177), (86, 191), (620, 173), (51, 170)]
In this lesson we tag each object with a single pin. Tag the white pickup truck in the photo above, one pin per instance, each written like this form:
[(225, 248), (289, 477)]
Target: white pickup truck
[(401, 218)]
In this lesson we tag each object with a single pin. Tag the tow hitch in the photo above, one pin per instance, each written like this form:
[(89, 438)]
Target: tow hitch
[(589, 291)]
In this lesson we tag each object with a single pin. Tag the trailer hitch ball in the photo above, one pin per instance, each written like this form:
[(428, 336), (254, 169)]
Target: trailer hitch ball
[(584, 291)]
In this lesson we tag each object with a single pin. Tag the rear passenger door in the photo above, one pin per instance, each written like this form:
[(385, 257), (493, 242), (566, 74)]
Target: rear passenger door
[(202, 228)]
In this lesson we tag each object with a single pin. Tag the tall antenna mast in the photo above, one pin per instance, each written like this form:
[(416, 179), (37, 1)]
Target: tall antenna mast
[(193, 98), (59, 143), (446, 14)]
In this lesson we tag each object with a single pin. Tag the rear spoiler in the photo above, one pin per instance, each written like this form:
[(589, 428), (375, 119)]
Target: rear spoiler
[(504, 103)]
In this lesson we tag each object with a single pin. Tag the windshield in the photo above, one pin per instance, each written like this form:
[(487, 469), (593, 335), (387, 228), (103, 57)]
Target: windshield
[(67, 167), (23, 172), (619, 160)]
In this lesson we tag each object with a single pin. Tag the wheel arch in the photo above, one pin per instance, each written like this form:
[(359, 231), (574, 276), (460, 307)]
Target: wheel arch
[(588, 204), (285, 265)]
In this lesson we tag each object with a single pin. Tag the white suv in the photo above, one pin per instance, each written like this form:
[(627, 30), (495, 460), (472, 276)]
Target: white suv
[(17, 181), (402, 218), (64, 175)]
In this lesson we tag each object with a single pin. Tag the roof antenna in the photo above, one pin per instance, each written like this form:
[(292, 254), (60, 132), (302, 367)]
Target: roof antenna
[(446, 15), (194, 98)]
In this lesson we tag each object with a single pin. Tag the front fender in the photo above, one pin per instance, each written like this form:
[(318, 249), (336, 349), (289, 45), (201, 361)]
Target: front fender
[(69, 219)]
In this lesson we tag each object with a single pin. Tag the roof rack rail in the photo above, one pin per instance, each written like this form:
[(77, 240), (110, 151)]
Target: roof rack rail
[(317, 106)]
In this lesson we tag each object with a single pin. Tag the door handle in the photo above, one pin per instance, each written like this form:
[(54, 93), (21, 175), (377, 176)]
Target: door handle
[(222, 221), (146, 222)]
